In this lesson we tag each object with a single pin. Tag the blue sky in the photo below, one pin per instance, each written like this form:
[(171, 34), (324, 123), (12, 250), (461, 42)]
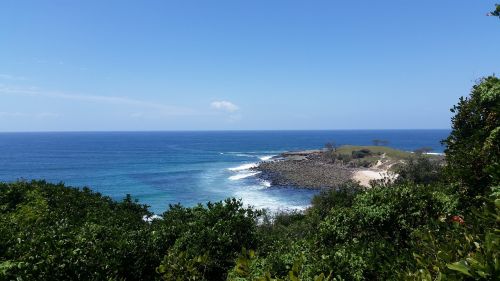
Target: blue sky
[(226, 65)]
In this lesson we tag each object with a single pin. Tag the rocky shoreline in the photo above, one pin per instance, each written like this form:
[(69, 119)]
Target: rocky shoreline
[(302, 171), (306, 169), (316, 169)]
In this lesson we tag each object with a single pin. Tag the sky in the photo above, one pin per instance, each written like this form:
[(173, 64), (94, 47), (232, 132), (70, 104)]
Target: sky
[(240, 65)]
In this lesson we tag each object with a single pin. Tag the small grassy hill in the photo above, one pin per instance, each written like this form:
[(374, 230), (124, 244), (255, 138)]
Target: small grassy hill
[(369, 155), (376, 150)]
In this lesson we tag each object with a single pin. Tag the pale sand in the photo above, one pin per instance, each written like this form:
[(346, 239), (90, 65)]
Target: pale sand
[(379, 171), (365, 176)]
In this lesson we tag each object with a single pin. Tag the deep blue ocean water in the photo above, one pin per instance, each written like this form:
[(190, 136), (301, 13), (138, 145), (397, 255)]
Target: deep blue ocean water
[(162, 168)]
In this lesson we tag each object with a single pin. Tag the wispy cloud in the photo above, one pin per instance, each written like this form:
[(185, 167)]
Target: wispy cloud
[(11, 77), (224, 106), (114, 100), (41, 115), (48, 61), (47, 115), (233, 118), (12, 114)]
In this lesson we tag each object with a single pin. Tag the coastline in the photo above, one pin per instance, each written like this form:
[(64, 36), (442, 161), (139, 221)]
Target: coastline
[(162, 168)]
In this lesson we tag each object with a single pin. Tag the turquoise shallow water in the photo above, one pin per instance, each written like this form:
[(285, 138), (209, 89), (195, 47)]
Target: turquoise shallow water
[(162, 168)]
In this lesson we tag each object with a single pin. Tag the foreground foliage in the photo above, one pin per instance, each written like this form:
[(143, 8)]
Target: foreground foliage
[(49, 232)]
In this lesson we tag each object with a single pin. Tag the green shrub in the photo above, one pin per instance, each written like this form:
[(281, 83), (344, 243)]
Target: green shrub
[(460, 247), (327, 199), (345, 158), (420, 170), (370, 238), (218, 231), (178, 266), (473, 147), (356, 154), (51, 232), (351, 233)]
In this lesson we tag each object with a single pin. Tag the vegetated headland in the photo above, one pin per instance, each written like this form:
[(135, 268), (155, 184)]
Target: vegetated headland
[(333, 166)]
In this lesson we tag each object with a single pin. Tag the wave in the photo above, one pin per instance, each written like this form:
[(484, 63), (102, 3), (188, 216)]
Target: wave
[(253, 153), (257, 197), (244, 155), (265, 183), (243, 175), (430, 153), (239, 153), (243, 167), (266, 157)]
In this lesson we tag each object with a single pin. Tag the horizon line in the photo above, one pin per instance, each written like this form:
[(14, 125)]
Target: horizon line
[(225, 130)]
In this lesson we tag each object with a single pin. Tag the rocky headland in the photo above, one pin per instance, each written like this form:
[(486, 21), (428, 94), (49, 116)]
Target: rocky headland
[(330, 168), (303, 169)]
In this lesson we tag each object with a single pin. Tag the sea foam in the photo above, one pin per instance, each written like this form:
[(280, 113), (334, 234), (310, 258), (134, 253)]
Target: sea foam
[(240, 176), (265, 183), (266, 158), (243, 167)]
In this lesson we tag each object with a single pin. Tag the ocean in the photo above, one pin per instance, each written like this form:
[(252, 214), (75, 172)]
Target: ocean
[(162, 168)]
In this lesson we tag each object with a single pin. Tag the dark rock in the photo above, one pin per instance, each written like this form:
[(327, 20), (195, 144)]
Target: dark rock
[(305, 169)]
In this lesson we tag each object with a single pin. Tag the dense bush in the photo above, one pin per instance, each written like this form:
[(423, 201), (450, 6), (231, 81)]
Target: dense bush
[(351, 235), (369, 239), (461, 246), (345, 158), (473, 147), (215, 233), (50, 232), (420, 170), (356, 154)]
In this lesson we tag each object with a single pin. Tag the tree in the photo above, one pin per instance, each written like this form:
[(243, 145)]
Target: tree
[(378, 142), (473, 147), (420, 170), (206, 240), (496, 12), (423, 150), (331, 151), (331, 146)]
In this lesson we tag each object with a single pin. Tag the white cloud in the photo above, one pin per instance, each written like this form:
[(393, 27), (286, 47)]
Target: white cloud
[(224, 106)]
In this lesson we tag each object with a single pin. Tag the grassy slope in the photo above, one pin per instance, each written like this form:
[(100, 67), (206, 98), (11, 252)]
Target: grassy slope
[(393, 157), (390, 152)]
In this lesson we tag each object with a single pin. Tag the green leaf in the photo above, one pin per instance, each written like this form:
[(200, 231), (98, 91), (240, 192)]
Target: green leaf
[(320, 277), (461, 267)]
